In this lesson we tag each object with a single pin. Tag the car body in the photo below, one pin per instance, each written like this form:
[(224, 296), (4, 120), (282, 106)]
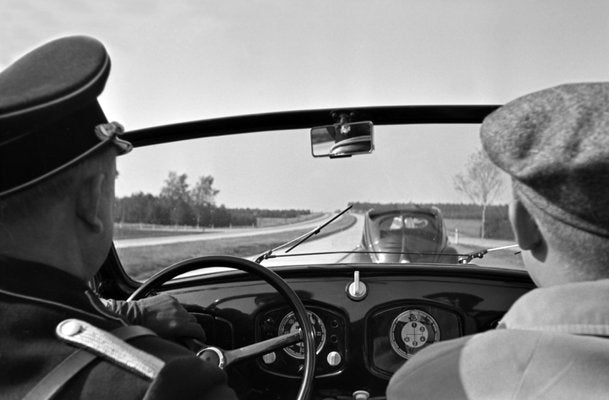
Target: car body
[(358, 342), (231, 91), (407, 234)]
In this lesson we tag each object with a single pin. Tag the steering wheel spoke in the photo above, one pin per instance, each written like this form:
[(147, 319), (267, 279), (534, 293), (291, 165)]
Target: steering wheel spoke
[(263, 347)]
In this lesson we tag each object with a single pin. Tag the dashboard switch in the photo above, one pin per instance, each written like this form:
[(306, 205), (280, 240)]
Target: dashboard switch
[(334, 358), (361, 395), (357, 289)]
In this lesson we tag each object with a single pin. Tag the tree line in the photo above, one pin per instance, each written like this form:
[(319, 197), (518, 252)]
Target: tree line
[(180, 204)]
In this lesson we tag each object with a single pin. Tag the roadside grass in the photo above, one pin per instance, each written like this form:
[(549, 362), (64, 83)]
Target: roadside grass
[(142, 262), (132, 233), (468, 227)]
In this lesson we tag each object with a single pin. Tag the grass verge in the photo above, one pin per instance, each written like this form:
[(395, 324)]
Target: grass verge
[(131, 233)]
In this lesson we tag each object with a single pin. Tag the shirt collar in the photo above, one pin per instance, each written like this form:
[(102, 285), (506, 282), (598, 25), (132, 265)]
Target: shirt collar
[(576, 308)]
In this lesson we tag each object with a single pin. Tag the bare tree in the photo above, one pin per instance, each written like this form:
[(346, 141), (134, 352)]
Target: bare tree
[(481, 182)]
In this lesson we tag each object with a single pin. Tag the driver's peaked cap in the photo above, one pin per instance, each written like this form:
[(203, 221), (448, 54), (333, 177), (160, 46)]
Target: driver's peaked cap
[(49, 110), (555, 145)]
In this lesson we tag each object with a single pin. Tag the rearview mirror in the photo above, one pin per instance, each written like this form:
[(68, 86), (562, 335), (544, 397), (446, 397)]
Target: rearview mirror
[(342, 140)]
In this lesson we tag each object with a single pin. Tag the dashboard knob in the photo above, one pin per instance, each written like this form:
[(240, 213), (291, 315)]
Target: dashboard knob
[(361, 395), (357, 289), (269, 358), (334, 358)]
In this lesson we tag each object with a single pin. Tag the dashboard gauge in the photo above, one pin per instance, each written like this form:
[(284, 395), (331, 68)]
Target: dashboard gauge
[(411, 331), (289, 324)]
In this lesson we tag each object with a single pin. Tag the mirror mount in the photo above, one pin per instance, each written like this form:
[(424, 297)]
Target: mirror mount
[(342, 118)]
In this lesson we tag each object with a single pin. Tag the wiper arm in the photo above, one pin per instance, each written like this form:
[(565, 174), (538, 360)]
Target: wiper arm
[(466, 259), (301, 239)]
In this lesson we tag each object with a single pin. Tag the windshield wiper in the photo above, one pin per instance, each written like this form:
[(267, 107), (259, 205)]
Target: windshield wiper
[(467, 258), (462, 258), (301, 239)]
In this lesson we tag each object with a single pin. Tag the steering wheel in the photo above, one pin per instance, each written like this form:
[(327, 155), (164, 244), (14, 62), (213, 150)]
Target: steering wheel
[(224, 358)]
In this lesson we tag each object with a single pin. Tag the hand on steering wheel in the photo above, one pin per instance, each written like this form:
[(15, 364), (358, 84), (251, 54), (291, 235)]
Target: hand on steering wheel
[(162, 314)]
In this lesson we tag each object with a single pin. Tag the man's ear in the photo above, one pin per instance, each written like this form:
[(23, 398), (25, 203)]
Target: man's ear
[(525, 227), (88, 202)]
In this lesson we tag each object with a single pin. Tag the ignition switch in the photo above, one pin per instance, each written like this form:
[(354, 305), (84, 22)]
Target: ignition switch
[(357, 289)]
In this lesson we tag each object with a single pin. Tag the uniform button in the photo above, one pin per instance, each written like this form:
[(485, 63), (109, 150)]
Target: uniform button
[(71, 328)]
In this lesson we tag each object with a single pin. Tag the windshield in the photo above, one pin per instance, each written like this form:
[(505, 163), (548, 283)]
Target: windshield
[(415, 198), (190, 60)]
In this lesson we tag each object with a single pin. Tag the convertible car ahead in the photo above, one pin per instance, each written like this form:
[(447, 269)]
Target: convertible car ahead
[(317, 318)]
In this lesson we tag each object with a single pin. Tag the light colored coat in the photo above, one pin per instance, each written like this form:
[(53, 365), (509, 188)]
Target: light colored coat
[(552, 344)]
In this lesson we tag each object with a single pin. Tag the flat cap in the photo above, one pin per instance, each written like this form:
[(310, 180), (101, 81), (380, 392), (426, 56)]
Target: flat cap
[(49, 114), (555, 145)]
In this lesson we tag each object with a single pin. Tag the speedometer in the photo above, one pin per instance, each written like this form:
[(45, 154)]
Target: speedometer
[(289, 324), (411, 331)]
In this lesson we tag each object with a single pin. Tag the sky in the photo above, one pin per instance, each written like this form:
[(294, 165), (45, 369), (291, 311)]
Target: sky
[(193, 59)]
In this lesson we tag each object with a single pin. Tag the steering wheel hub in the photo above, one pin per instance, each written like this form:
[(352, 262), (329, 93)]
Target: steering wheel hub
[(212, 355)]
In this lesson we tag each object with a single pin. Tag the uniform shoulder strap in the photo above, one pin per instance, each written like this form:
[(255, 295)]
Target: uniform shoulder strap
[(94, 343)]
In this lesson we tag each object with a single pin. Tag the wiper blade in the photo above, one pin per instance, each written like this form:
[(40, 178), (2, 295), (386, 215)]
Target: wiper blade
[(301, 239), (467, 258)]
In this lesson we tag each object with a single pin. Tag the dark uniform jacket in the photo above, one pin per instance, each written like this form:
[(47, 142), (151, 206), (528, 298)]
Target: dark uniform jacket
[(35, 298)]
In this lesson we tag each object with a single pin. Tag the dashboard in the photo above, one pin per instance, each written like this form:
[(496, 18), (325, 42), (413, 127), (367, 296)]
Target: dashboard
[(360, 342)]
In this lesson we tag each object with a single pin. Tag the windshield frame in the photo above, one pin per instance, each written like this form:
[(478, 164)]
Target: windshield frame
[(288, 120)]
